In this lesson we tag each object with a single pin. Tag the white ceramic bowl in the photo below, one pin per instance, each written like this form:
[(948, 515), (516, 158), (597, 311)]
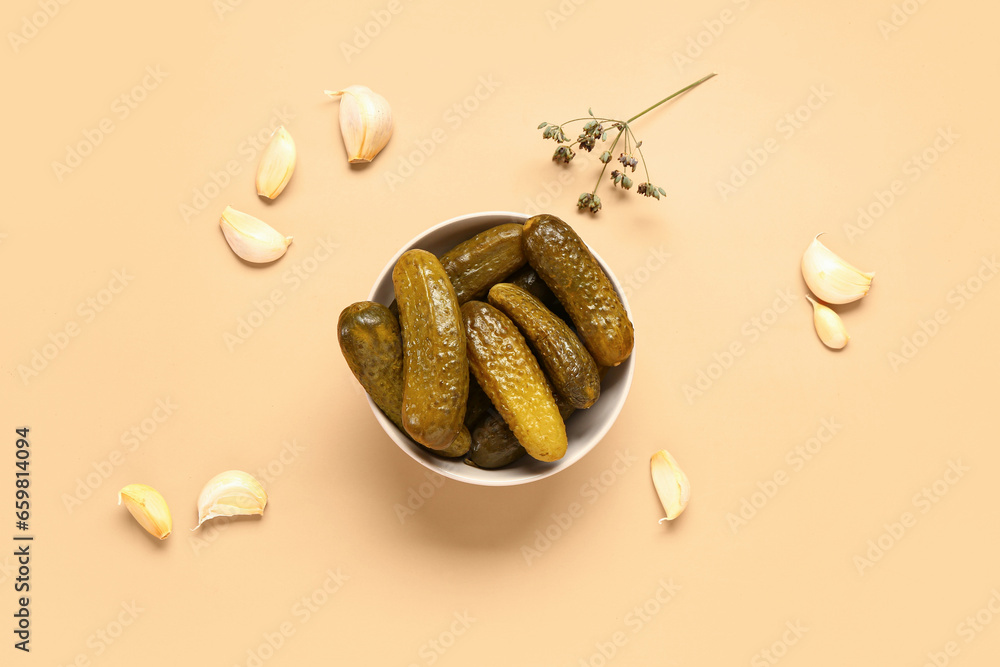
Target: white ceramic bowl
[(585, 428)]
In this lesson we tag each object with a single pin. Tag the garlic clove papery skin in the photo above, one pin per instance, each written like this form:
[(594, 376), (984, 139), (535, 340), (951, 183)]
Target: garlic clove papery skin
[(365, 122), (831, 278), (231, 493)]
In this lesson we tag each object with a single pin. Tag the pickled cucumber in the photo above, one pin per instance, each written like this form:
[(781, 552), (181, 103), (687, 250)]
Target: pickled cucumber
[(476, 405), (567, 364), (478, 263), (370, 341), (493, 444), (527, 279), (458, 447), (563, 261), (435, 367), (514, 382)]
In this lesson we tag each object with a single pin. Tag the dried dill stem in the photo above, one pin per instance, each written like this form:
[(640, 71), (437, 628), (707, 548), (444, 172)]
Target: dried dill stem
[(596, 129)]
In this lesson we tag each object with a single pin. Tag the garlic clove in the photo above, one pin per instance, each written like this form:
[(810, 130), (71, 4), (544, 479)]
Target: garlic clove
[(231, 493), (831, 278), (829, 326), (148, 507), (252, 239), (365, 122), (672, 485), (276, 165)]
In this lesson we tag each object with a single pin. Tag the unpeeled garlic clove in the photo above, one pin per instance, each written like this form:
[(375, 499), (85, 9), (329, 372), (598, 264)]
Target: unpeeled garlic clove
[(365, 122), (671, 484), (252, 239), (276, 165), (831, 278), (148, 507), (829, 326), (231, 493)]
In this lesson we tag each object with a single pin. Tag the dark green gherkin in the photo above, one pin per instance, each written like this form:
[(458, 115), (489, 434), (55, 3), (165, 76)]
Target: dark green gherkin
[(564, 262), (370, 341), (478, 263)]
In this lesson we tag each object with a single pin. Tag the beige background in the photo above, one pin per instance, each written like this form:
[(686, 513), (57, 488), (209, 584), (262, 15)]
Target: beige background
[(284, 399)]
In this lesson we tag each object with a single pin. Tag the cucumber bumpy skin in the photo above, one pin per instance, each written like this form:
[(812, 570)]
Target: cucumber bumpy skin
[(568, 365), (527, 279), (514, 382), (563, 261), (475, 265), (493, 444), (370, 342), (435, 366)]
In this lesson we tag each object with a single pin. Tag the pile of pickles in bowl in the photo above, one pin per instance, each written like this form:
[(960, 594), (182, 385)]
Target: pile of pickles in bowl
[(495, 349)]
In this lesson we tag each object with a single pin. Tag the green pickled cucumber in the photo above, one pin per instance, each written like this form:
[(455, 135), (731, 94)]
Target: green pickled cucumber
[(458, 447), (480, 262), (369, 339), (477, 404), (493, 444), (371, 343), (563, 261), (435, 366), (566, 361), (527, 279), (514, 382)]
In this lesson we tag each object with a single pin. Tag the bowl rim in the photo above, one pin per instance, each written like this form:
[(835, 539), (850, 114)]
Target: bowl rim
[(393, 431)]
